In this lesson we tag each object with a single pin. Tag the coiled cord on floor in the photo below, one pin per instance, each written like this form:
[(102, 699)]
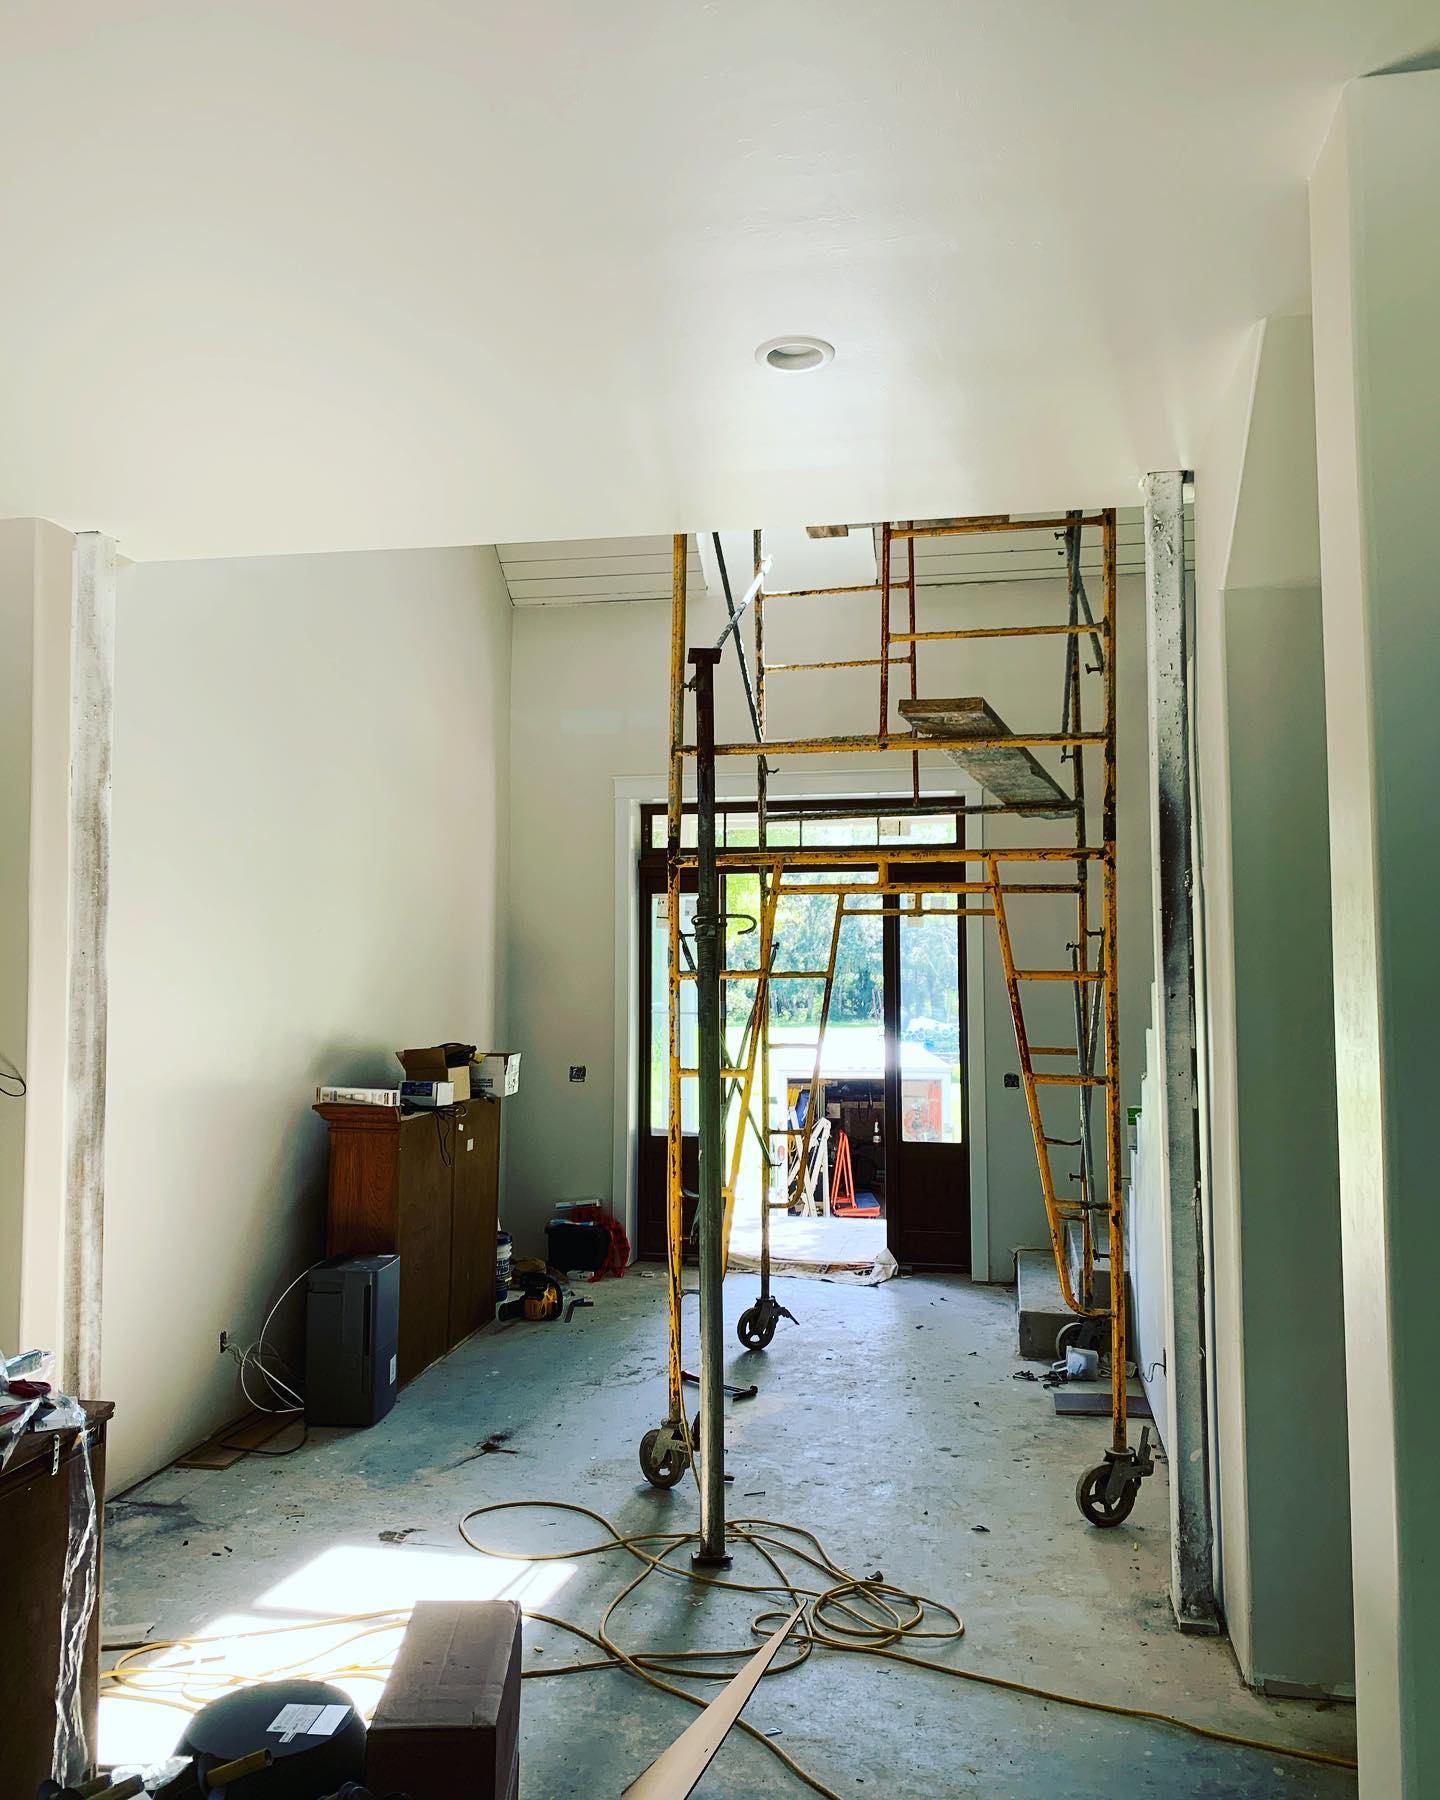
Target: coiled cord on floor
[(865, 1615)]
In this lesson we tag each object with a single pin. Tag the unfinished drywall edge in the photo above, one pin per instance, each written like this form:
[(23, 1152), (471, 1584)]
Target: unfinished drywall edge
[(47, 1027), (17, 611), (1218, 476), (92, 705)]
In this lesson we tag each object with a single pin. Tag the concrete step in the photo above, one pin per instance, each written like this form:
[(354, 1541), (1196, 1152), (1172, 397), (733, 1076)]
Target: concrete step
[(1040, 1305)]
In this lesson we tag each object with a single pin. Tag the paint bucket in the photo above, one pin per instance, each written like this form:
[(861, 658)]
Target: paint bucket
[(1082, 1365), (504, 1264)]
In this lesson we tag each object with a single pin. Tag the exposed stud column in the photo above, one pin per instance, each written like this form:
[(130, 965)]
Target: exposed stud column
[(1192, 1585)]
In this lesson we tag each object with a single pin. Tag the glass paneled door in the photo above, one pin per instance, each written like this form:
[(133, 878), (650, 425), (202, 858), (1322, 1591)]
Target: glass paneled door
[(890, 1106)]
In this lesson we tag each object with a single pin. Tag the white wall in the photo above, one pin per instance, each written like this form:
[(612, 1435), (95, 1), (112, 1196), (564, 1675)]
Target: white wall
[(589, 706), (311, 788), (1270, 1071), (1375, 197)]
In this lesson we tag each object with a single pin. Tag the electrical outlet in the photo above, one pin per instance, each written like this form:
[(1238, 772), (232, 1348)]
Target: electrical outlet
[(577, 1071), (224, 1342)]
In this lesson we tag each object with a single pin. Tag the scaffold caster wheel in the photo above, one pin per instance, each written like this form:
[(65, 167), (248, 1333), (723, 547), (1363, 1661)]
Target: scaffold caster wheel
[(756, 1327), (1085, 1334), (662, 1460), (1098, 1504)]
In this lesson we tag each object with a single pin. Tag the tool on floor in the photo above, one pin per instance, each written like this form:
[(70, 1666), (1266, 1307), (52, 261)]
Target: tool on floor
[(196, 1782), (730, 1390), (88, 1790), (542, 1296)]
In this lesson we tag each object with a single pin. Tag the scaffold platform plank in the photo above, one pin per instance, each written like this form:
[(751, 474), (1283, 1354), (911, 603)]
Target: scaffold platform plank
[(1010, 773)]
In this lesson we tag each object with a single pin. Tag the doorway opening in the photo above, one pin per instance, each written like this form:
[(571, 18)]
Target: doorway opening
[(886, 1157)]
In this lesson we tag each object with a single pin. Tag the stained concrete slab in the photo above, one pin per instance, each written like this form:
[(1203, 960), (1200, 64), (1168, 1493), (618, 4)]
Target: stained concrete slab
[(888, 1422)]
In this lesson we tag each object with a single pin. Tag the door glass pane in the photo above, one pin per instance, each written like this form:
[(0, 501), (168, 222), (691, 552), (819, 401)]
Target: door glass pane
[(660, 1020), (930, 1072)]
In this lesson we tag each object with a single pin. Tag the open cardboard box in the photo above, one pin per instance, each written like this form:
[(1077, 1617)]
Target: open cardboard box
[(440, 1062), (496, 1073)]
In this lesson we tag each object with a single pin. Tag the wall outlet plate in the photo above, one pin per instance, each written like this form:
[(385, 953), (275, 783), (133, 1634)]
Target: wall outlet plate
[(577, 1071)]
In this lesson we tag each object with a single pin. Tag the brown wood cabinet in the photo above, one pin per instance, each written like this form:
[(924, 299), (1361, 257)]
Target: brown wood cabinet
[(43, 1480), (428, 1186)]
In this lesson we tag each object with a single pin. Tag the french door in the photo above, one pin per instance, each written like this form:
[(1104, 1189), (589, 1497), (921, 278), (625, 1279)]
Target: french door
[(896, 1032)]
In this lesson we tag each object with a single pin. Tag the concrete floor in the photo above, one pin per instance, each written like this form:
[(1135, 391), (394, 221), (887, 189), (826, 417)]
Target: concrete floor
[(887, 1421), (815, 1243)]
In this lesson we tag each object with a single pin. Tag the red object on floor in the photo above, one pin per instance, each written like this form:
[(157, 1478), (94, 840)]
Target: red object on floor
[(615, 1263), (843, 1203)]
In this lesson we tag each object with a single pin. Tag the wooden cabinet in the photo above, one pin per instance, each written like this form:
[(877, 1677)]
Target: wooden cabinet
[(40, 1488), (426, 1185)]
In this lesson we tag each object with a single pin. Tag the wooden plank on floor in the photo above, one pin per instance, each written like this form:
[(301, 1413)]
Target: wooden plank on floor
[(1090, 1401)]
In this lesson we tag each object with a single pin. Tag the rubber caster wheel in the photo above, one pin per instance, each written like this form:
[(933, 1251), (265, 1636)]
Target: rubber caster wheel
[(1065, 1337), (1091, 1498), (661, 1468), (756, 1329)]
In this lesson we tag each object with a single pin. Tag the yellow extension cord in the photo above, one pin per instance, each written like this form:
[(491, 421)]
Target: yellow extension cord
[(852, 1613)]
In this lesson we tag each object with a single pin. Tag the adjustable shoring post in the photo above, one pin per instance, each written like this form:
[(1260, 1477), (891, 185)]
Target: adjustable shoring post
[(709, 942)]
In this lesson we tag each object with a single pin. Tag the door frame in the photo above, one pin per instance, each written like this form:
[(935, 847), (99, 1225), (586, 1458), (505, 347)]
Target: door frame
[(632, 792)]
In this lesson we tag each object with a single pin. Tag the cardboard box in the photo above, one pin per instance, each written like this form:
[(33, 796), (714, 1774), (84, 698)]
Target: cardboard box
[(356, 1096), (448, 1724), (496, 1073), (440, 1062)]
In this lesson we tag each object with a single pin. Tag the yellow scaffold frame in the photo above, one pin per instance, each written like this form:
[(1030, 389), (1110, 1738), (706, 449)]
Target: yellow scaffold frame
[(1105, 1492)]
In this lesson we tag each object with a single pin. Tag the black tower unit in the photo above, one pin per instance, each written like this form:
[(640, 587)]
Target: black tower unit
[(352, 1336)]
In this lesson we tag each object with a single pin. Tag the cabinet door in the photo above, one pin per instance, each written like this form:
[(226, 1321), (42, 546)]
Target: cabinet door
[(473, 1221), (426, 1181)]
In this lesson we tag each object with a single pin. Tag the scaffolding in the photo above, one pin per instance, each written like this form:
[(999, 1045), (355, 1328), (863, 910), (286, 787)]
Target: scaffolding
[(997, 880)]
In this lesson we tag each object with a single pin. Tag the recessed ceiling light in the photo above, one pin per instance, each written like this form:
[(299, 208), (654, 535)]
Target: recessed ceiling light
[(795, 354)]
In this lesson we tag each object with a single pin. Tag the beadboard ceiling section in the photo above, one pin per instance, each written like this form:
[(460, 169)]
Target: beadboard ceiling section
[(579, 571), (1028, 555)]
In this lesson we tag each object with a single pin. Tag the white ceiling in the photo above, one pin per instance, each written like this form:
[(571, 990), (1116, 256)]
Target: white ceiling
[(313, 274)]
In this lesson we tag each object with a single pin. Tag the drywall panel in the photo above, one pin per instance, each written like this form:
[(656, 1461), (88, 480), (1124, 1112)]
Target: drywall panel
[(310, 834), (589, 707), (1269, 1037), (1296, 1464)]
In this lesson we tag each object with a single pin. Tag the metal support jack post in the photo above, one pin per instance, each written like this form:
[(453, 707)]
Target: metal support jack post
[(709, 952), (665, 1452)]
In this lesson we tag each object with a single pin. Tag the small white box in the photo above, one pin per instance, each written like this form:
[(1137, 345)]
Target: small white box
[(496, 1073), (427, 1093), (357, 1096)]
